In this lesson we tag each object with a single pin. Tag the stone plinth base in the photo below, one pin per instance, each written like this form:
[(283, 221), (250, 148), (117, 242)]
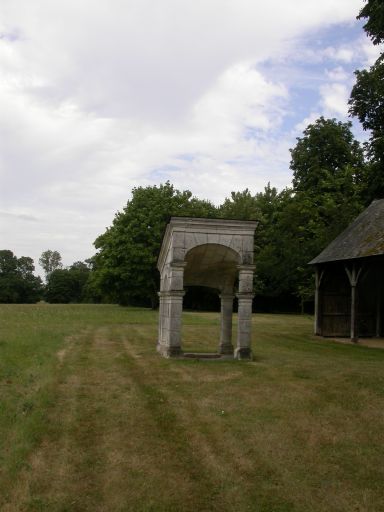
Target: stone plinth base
[(167, 351), (205, 356), (226, 349), (243, 354)]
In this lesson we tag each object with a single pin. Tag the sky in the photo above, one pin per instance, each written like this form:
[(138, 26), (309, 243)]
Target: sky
[(98, 97)]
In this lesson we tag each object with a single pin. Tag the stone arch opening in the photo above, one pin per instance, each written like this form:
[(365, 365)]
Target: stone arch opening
[(214, 267), (211, 265), (206, 252)]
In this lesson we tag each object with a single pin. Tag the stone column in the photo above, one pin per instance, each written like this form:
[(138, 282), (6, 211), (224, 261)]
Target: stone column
[(161, 317), (171, 308), (244, 328), (226, 346)]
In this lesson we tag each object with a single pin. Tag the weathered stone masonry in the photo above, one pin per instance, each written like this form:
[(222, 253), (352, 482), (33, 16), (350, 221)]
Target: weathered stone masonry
[(213, 253)]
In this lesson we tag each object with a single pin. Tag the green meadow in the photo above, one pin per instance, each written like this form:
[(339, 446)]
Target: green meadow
[(93, 419)]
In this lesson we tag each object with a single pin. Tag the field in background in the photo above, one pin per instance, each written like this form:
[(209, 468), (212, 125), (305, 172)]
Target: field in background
[(92, 419)]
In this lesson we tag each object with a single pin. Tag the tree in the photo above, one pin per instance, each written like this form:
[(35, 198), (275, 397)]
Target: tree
[(271, 275), (328, 172), (326, 158), (8, 277), (59, 287), (328, 168), (125, 265), (241, 206), (367, 99), (69, 284), (50, 261), (265, 207), (367, 102), (17, 282), (296, 224), (79, 272), (30, 286), (374, 27)]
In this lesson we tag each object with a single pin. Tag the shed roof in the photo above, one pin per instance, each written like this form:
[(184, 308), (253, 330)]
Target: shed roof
[(364, 237)]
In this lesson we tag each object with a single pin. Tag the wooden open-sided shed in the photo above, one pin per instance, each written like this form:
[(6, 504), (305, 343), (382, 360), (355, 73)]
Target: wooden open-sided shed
[(350, 278)]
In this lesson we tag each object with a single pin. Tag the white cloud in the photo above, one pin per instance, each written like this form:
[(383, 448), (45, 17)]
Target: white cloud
[(335, 99), (369, 51), (242, 97), (310, 119), (360, 50), (98, 97), (146, 59), (338, 74), (341, 53)]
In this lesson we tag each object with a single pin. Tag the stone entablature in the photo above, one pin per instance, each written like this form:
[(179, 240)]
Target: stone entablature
[(213, 253)]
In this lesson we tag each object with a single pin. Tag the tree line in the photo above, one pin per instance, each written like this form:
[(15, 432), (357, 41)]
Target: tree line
[(18, 284), (334, 178)]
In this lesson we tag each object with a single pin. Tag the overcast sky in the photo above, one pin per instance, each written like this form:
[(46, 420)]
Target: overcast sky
[(99, 96)]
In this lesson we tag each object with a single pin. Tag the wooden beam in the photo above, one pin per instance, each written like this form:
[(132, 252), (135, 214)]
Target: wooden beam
[(378, 310), (318, 278), (353, 276)]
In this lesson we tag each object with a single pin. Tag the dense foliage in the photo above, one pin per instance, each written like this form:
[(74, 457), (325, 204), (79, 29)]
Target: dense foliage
[(367, 102), (294, 225), (125, 265), (50, 261), (18, 284), (328, 169), (373, 12), (326, 159), (297, 223), (68, 285)]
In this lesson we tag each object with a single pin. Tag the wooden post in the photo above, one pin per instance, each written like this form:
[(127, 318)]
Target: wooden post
[(353, 276), (318, 279), (378, 312), (353, 309)]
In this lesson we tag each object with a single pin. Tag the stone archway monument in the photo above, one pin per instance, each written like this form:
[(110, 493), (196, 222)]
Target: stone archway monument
[(206, 252)]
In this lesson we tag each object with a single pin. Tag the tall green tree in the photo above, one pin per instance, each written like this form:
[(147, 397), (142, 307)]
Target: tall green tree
[(240, 206), (271, 278), (275, 247), (367, 102), (373, 12), (328, 174), (30, 286), (18, 284), (69, 284), (9, 278), (327, 158), (297, 223), (50, 261), (125, 264), (58, 289)]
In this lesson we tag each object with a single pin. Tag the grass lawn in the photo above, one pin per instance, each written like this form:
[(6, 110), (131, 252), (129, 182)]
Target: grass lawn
[(93, 419)]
